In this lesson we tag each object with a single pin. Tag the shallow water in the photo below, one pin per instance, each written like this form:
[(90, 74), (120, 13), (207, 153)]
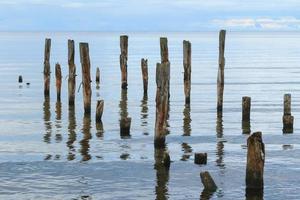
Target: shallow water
[(48, 151)]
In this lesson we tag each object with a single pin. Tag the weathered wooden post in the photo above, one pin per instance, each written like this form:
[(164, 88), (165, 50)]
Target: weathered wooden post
[(200, 158), (72, 72), (162, 98), (58, 80), (246, 108), (20, 80), (144, 66), (86, 77), (164, 52), (287, 119), (97, 76), (220, 81), (47, 67), (255, 162), (187, 57), (99, 110), (208, 182), (123, 60), (125, 123)]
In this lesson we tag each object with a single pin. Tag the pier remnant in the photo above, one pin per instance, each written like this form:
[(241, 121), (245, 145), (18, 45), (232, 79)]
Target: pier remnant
[(47, 67), (123, 60), (72, 72), (246, 108), (208, 182), (97, 76), (58, 77), (287, 119), (86, 77), (220, 81), (99, 110), (187, 52), (144, 66), (20, 79), (200, 158), (255, 162)]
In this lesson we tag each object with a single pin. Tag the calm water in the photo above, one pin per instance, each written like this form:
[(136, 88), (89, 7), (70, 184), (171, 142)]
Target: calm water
[(50, 152)]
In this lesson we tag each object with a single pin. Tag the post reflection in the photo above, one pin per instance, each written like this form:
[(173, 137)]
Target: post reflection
[(220, 143), (144, 114), (125, 121), (187, 151), (72, 133), (254, 194), (162, 174), (58, 136), (246, 127), (99, 130), (85, 145), (206, 194), (47, 120), (187, 120)]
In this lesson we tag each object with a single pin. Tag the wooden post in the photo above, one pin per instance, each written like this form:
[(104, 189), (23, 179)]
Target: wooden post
[(246, 104), (144, 66), (86, 76), (200, 158), (287, 119), (98, 76), (20, 79), (164, 52), (99, 110), (58, 80), (47, 67), (123, 60), (220, 81), (162, 98), (125, 123), (208, 182), (255, 162), (187, 52), (72, 72)]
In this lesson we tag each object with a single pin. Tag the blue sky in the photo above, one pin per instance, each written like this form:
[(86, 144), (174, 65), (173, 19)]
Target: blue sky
[(154, 15)]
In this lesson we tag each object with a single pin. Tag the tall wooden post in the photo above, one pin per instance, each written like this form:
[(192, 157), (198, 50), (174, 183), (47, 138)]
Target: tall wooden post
[(58, 80), (187, 51), (47, 67), (144, 66), (97, 76), (287, 119), (123, 60), (162, 98), (255, 162), (164, 52), (246, 108), (220, 81), (86, 76), (72, 72)]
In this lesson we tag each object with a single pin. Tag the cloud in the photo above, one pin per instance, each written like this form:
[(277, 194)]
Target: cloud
[(263, 23)]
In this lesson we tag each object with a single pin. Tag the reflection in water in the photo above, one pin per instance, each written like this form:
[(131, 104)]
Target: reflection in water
[(144, 114), (85, 146), (72, 133), (123, 104), (254, 194), (220, 144), (58, 126), (246, 127), (99, 129), (187, 151), (47, 122), (187, 120), (125, 121), (162, 175), (206, 194)]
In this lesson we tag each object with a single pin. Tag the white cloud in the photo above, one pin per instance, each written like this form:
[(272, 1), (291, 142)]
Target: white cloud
[(265, 23)]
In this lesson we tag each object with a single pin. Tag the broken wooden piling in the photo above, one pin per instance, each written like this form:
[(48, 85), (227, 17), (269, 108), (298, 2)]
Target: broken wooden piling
[(220, 81), (20, 79), (208, 182), (287, 119), (187, 52), (162, 99), (47, 67), (246, 108), (58, 77), (164, 52), (255, 162), (97, 76), (144, 66), (200, 158), (99, 110), (123, 60), (86, 76), (72, 72)]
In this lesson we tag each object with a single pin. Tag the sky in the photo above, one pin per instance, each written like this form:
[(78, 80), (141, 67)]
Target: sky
[(146, 15)]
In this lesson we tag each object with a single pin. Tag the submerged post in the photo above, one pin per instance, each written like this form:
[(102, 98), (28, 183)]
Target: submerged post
[(220, 81), (86, 76), (99, 110), (72, 72), (187, 51), (123, 60), (246, 108), (162, 98), (144, 66), (58, 80), (97, 76), (287, 119), (255, 162), (47, 67)]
